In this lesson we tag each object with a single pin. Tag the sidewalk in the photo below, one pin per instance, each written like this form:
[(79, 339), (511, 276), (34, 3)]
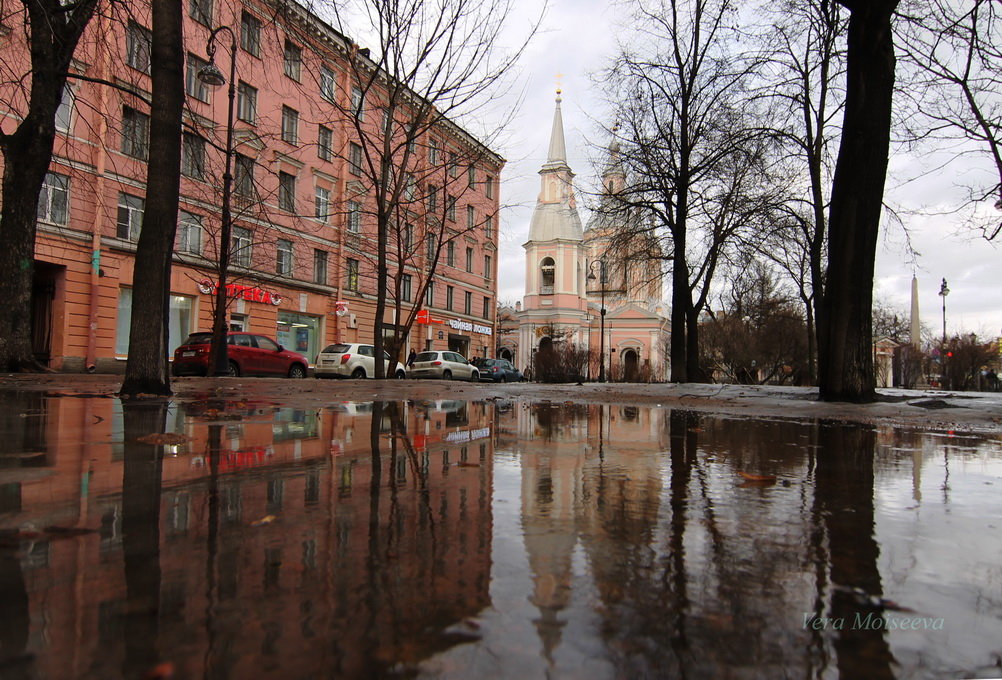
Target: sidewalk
[(931, 410)]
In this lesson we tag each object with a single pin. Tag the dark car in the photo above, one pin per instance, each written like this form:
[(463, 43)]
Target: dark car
[(498, 370), (247, 354)]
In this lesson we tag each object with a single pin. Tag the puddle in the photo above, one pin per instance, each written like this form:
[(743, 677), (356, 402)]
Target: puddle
[(463, 539)]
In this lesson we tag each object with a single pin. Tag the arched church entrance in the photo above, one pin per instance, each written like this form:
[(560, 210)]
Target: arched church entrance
[(505, 353), (631, 365)]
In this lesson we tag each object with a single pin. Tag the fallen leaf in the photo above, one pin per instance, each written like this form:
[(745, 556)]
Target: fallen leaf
[(757, 478), (162, 671), (267, 519)]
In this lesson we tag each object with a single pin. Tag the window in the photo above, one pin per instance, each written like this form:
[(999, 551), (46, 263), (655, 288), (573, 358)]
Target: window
[(405, 287), (449, 294), (469, 259), (64, 114), (290, 125), (200, 11), (325, 143), (430, 243), (53, 199), (471, 176), (292, 60), (283, 257), (351, 275), (489, 186), (429, 295), (240, 247), (432, 198), (287, 191), (178, 321), (137, 47), (453, 164), (548, 272), (471, 217), (189, 233), (192, 156), (489, 227), (433, 152), (450, 254), (410, 187), (243, 175), (358, 103), (328, 84), (320, 267), (130, 217), (387, 124), (354, 217), (354, 159), (135, 133), (467, 303), (322, 204), (487, 266), (487, 308), (194, 87), (450, 208), (246, 103), (250, 34)]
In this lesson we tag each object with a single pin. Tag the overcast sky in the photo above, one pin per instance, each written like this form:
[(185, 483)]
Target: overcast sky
[(577, 40)]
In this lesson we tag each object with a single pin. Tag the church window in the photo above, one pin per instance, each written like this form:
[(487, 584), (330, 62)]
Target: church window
[(547, 271)]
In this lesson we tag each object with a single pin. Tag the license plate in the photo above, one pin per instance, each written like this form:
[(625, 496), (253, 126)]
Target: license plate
[(328, 362), (187, 354)]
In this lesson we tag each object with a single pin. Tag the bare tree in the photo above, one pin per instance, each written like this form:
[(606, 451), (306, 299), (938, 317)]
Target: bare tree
[(689, 148), (147, 370), (53, 29), (425, 66)]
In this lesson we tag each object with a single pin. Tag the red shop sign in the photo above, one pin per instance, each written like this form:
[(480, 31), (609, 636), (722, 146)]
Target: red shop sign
[(251, 293)]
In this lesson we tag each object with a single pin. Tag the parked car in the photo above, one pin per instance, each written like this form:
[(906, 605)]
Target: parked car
[(247, 354), (352, 360), (445, 365), (498, 370)]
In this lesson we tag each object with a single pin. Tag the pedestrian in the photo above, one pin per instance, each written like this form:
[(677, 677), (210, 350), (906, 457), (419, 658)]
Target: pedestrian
[(411, 357)]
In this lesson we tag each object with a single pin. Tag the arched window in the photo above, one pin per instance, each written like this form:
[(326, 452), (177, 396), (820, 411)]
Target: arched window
[(547, 270)]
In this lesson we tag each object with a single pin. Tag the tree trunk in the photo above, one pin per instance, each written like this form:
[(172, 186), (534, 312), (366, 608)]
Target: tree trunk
[(845, 329), (27, 153), (147, 370), (692, 370)]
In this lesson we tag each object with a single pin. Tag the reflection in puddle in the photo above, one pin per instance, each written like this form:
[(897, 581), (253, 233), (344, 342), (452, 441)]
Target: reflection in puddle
[(502, 539)]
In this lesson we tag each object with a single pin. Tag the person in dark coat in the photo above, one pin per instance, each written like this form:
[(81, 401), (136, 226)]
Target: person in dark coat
[(410, 358)]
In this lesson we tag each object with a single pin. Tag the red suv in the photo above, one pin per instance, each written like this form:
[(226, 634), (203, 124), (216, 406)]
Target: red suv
[(248, 355)]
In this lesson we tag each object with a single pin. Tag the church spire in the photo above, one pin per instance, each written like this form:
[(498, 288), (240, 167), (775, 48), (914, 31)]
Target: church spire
[(557, 155)]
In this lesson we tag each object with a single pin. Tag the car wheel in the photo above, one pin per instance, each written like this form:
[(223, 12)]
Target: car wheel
[(297, 371), (504, 378), (233, 370), (358, 373), (401, 375), (446, 375), (475, 376)]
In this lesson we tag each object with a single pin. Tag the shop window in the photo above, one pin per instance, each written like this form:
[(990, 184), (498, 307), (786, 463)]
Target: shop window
[(178, 321), (299, 333)]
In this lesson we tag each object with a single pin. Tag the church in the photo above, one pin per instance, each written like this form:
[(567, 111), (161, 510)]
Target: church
[(582, 294)]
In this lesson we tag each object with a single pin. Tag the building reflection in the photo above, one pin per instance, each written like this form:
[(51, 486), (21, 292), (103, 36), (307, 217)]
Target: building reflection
[(257, 542)]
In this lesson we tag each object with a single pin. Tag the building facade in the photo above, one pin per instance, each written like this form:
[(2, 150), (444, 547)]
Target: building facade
[(302, 247), (574, 277)]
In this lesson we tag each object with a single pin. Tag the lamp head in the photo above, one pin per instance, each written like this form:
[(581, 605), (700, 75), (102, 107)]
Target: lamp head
[(211, 75)]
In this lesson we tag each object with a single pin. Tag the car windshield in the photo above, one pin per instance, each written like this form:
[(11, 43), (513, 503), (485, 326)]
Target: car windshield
[(426, 356), (199, 339), (339, 348)]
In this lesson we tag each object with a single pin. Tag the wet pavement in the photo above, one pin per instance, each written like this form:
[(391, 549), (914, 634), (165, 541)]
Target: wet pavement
[(219, 536)]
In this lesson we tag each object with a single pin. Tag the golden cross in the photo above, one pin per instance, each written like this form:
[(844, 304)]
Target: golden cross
[(559, 76)]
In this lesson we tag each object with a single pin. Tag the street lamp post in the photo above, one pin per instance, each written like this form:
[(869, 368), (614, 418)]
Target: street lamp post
[(943, 292), (211, 75), (601, 339)]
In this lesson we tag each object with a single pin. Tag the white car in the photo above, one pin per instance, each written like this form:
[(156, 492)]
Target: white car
[(352, 360), (445, 365)]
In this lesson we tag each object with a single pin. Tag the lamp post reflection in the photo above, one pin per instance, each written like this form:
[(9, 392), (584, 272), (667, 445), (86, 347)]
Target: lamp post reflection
[(601, 341)]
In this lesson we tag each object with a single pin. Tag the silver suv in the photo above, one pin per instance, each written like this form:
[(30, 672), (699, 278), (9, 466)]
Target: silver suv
[(352, 360), (445, 365)]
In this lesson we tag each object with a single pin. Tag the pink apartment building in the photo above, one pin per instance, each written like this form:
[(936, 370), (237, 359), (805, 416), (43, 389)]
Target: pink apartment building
[(303, 266)]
